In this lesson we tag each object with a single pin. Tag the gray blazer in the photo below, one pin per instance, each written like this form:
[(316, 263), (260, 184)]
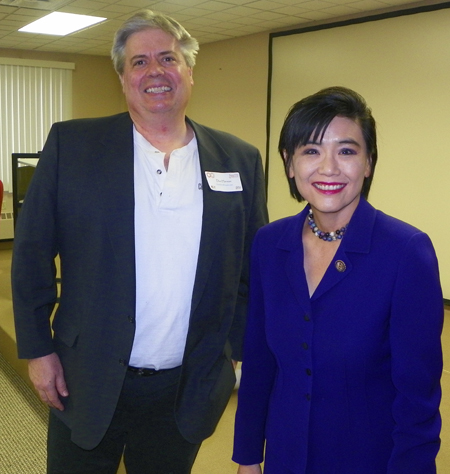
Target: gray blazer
[(80, 205)]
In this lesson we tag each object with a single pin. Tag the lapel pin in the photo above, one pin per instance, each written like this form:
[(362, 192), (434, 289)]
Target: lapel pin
[(340, 266)]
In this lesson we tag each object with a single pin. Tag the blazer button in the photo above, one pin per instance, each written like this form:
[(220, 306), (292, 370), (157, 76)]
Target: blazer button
[(308, 372), (307, 317), (123, 362), (131, 319), (305, 345)]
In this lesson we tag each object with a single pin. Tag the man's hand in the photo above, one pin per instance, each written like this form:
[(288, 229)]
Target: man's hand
[(47, 376), (253, 469)]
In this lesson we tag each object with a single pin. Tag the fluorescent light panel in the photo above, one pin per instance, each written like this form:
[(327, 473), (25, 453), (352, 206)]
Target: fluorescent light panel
[(61, 24)]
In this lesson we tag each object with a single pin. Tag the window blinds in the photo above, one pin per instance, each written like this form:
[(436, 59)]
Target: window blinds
[(33, 95)]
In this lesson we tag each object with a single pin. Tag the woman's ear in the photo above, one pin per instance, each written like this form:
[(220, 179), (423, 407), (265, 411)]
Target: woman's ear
[(288, 164)]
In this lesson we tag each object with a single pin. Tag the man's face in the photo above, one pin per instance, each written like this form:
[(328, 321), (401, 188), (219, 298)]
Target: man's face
[(156, 78)]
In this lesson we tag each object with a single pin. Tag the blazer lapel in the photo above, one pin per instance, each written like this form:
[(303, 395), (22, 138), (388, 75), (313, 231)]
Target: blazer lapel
[(357, 240), (115, 161), (215, 215), (291, 241)]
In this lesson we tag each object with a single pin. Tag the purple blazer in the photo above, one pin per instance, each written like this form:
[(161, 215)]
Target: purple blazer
[(347, 381)]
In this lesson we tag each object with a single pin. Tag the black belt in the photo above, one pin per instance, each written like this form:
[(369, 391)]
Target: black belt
[(144, 372)]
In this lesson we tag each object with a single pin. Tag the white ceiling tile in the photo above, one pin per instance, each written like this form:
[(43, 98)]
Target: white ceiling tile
[(11, 23), (246, 21), (242, 11), (167, 8), (29, 12), (211, 37), (183, 17), (88, 4), (201, 21), (108, 14), (398, 2), (341, 10), (194, 11), (118, 9), (238, 2), (221, 18), (314, 4), (289, 2), (248, 29), (290, 21), (139, 4), (316, 15), (6, 9), (267, 16), (215, 6), (187, 3), (76, 10), (209, 29), (22, 18), (291, 10), (266, 5), (365, 5)]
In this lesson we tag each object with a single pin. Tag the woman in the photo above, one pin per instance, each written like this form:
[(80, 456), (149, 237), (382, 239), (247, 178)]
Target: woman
[(342, 358)]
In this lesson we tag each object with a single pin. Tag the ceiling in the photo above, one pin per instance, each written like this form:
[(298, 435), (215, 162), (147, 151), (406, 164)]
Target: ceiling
[(206, 20)]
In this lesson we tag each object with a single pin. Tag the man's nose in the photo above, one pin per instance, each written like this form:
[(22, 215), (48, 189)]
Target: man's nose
[(154, 68)]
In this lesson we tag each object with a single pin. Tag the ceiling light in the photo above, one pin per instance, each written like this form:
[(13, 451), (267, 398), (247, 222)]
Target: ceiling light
[(61, 24)]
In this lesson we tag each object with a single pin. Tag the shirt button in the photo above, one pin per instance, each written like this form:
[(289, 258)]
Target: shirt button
[(159, 171)]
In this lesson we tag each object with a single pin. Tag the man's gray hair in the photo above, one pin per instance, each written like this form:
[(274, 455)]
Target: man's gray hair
[(146, 20)]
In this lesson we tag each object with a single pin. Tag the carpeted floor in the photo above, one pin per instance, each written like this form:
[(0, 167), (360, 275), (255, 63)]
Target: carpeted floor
[(23, 420)]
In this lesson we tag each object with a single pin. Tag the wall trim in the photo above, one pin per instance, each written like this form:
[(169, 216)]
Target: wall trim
[(36, 63)]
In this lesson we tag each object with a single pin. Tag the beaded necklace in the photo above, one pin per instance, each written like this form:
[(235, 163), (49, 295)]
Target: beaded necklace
[(327, 236)]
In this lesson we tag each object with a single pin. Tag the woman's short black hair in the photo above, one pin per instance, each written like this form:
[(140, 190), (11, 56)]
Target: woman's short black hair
[(309, 118)]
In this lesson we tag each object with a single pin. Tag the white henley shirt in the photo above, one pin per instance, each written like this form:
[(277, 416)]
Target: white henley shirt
[(168, 222)]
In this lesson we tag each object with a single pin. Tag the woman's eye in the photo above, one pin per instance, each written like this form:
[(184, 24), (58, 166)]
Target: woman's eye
[(348, 151), (310, 151)]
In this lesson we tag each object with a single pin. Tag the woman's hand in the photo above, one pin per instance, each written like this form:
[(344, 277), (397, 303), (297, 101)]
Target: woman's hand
[(252, 469)]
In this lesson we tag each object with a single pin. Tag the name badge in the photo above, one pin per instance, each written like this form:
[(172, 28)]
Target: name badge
[(224, 182)]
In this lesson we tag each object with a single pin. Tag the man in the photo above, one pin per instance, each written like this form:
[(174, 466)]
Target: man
[(152, 216)]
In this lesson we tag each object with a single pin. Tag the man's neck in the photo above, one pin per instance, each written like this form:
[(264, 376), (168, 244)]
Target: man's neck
[(165, 134)]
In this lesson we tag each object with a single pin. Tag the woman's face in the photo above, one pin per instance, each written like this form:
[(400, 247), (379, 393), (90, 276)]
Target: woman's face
[(330, 174)]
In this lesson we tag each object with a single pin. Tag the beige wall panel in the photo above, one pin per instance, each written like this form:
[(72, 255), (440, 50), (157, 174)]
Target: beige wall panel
[(230, 87)]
